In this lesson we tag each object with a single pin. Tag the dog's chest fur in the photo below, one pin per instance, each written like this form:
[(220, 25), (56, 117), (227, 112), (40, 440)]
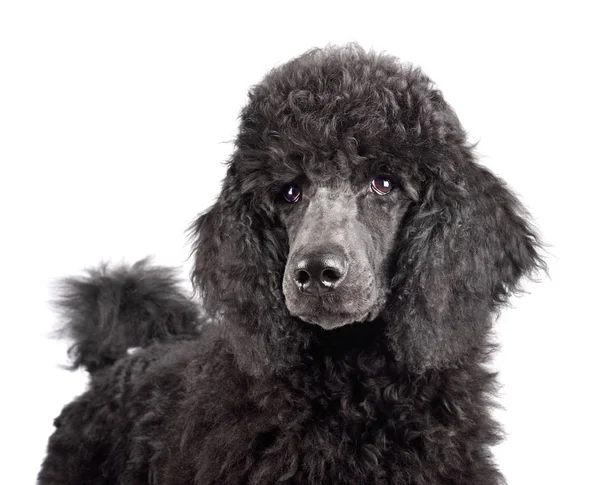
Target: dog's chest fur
[(333, 419)]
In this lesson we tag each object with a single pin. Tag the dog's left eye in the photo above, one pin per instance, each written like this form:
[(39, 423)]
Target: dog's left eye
[(381, 185), (292, 193)]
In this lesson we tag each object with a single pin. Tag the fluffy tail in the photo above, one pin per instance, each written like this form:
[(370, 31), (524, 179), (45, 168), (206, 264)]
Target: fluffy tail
[(112, 309)]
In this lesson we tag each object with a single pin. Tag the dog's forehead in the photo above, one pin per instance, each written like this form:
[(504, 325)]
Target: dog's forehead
[(336, 171), (341, 117)]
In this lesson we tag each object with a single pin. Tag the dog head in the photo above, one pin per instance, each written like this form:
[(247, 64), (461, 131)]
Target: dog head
[(353, 196)]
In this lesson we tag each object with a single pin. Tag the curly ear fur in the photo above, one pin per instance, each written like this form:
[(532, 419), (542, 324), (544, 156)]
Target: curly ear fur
[(463, 250), (239, 262)]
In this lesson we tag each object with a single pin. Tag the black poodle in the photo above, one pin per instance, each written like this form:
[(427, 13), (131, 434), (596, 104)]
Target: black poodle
[(350, 273)]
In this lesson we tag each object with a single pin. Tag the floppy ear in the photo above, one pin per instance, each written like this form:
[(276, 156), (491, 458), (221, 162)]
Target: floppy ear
[(239, 262), (463, 249)]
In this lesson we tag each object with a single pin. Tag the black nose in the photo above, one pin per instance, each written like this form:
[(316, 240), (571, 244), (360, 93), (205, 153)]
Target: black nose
[(320, 272)]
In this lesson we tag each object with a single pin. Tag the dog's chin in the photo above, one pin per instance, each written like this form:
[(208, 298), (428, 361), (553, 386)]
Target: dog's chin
[(330, 315), (330, 321), (336, 309)]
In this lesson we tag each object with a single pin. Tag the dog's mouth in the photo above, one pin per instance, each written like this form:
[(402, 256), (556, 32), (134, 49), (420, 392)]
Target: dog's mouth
[(335, 309), (329, 321), (329, 313)]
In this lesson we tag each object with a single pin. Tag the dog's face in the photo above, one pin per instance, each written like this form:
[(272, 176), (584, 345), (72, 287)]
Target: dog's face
[(342, 239), (353, 195)]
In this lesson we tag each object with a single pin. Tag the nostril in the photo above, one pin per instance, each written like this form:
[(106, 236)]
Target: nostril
[(330, 276), (319, 272), (302, 277)]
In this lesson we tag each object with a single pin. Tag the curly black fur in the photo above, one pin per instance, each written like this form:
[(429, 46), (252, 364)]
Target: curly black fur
[(261, 396), (111, 310)]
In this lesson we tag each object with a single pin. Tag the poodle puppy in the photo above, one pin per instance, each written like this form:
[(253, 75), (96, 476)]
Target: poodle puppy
[(349, 275)]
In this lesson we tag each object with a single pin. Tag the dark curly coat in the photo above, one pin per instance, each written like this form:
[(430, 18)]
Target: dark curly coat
[(376, 378)]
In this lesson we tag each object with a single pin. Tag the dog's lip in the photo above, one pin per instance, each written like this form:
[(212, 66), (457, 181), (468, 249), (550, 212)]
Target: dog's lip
[(331, 320), (323, 295)]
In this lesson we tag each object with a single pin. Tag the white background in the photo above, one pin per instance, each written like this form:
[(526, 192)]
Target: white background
[(115, 118)]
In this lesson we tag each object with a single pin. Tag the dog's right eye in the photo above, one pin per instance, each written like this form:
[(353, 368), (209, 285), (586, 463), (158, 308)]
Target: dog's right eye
[(292, 193), (382, 185)]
